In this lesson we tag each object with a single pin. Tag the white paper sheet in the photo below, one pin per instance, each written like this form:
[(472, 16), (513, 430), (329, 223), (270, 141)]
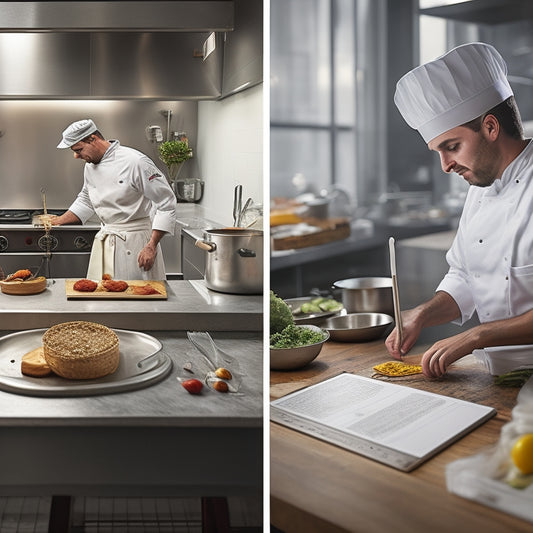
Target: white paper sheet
[(400, 418)]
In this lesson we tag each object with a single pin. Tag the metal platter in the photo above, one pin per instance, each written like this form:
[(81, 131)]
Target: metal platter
[(142, 363), (309, 318)]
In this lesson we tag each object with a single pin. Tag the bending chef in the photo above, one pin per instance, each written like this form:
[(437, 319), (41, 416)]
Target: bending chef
[(464, 108), (124, 188)]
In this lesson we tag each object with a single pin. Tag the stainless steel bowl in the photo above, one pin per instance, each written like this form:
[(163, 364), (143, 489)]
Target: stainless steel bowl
[(366, 295), (292, 358), (357, 327)]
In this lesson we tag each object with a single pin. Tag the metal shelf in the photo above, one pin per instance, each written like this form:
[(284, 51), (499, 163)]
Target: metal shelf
[(484, 11)]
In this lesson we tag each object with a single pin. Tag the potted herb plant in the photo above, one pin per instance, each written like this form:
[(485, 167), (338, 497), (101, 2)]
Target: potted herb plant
[(174, 154)]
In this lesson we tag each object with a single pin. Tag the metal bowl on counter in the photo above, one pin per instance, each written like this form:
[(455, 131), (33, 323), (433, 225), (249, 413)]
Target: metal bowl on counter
[(366, 295), (357, 327), (293, 358)]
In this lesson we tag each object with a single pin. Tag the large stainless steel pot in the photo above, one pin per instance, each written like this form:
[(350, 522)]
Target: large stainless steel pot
[(234, 261), (367, 295)]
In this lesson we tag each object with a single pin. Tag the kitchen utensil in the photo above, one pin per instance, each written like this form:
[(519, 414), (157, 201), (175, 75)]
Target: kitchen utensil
[(43, 194), (367, 295), (234, 262), (135, 370), (237, 204), (293, 358), (243, 211), (395, 292), (216, 358), (128, 294), (357, 327)]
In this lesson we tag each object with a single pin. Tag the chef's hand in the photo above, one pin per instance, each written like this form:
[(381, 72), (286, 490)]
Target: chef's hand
[(146, 257), (411, 329), (443, 353)]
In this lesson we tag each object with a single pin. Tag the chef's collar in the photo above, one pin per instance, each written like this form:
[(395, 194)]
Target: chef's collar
[(515, 169)]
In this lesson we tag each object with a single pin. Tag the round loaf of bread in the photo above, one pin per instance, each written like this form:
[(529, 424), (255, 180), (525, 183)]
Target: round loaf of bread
[(81, 350)]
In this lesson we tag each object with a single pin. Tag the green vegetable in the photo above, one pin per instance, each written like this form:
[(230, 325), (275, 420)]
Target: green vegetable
[(310, 307), (515, 378), (280, 314), (331, 305), (293, 336), (319, 305)]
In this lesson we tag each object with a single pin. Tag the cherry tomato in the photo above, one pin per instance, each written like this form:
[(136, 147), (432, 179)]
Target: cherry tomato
[(192, 386)]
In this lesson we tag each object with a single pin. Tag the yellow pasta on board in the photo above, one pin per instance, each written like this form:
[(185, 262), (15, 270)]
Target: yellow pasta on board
[(397, 368)]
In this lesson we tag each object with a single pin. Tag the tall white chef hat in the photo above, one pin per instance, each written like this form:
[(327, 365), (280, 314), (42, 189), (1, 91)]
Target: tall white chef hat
[(76, 132), (453, 89)]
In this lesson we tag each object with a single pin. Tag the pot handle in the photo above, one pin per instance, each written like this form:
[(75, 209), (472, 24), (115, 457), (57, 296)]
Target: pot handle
[(245, 252), (207, 246)]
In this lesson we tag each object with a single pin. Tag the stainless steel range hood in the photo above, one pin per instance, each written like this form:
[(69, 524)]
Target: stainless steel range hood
[(129, 50), (177, 16)]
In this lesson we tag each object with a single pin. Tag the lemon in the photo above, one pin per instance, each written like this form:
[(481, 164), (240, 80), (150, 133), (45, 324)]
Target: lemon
[(522, 453)]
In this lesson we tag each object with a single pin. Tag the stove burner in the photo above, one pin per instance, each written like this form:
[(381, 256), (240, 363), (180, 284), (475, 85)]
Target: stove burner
[(57, 212), (14, 216)]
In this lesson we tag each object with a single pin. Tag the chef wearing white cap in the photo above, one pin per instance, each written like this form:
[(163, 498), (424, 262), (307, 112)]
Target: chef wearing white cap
[(130, 196), (464, 108)]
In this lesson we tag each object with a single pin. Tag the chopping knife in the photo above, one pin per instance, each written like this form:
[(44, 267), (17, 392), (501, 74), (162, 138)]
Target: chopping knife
[(395, 292)]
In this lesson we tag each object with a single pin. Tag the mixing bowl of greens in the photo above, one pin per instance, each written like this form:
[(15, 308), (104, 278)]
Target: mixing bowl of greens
[(292, 346)]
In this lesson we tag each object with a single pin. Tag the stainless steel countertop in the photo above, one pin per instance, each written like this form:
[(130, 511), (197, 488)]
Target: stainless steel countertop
[(165, 404), (190, 306)]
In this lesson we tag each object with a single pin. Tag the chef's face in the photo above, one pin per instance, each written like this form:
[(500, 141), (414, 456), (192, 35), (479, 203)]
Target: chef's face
[(469, 153), (87, 150)]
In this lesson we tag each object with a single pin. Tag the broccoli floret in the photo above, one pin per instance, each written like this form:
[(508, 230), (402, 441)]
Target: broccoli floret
[(280, 314)]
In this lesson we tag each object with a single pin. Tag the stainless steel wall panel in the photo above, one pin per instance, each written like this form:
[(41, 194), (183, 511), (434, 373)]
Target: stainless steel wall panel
[(154, 65), (33, 64), (32, 129)]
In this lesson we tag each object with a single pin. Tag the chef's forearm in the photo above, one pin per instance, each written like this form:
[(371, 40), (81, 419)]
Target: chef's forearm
[(441, 309), (509, 331), (68, 217), (157, 235)]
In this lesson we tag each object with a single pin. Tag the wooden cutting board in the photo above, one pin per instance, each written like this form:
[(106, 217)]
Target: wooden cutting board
[(101, 294), (327, 230)]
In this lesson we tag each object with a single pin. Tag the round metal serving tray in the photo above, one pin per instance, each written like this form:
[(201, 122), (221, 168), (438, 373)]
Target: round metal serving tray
[(141, 364), (309, 318)]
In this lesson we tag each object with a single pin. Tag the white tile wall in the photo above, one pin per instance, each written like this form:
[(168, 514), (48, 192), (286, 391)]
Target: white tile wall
[(230, 150)]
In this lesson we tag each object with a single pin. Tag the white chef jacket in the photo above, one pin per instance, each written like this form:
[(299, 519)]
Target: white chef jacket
[(491, 258), (125, 187)]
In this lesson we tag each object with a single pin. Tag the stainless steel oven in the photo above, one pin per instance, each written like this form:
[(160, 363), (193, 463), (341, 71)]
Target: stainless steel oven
[(63, 253)]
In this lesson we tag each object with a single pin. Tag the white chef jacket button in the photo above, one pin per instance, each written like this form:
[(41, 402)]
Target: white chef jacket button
[(480, 240), (517, 181), (128, 252), (506, 278)]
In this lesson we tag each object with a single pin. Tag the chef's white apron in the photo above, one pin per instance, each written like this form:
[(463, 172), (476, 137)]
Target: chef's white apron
[(116, 248)]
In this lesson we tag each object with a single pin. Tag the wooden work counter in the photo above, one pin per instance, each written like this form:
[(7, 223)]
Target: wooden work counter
[(316, 486)]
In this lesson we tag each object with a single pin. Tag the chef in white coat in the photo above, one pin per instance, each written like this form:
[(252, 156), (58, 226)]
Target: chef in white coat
[(464, 108), (131, 198)]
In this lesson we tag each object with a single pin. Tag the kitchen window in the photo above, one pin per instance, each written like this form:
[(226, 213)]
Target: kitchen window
[(312, 96)]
